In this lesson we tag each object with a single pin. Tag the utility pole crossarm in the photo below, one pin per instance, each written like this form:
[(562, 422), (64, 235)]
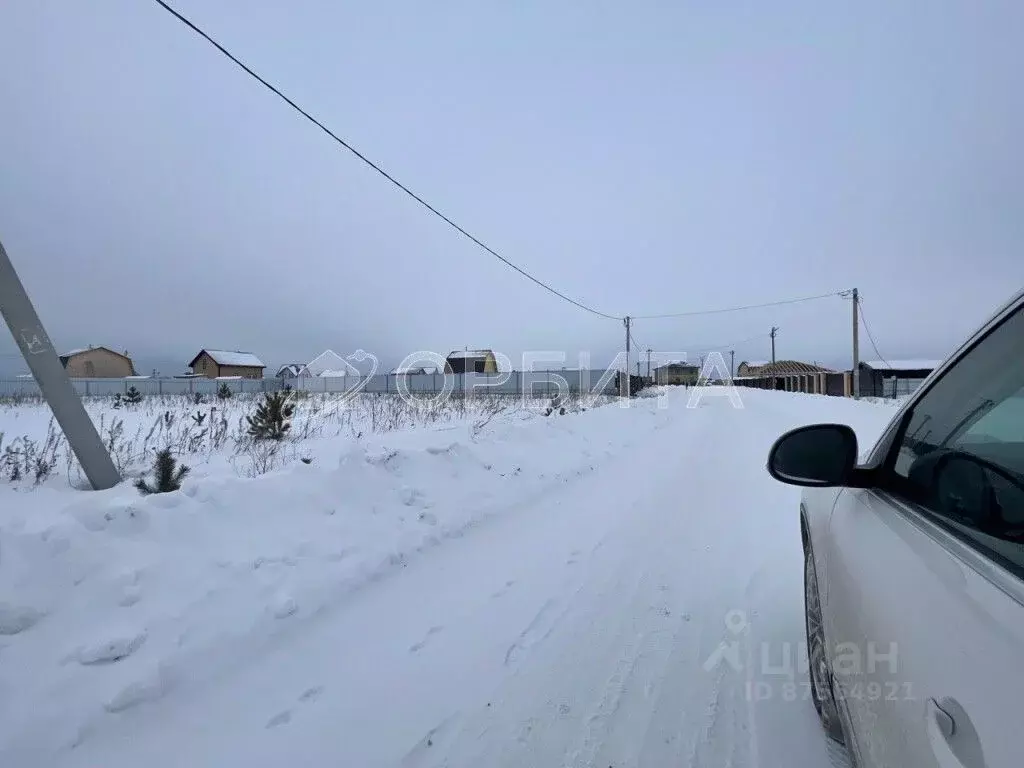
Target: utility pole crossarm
[(49, 373)]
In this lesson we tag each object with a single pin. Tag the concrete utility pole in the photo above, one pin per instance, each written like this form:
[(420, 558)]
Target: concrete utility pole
[(732, 363), (856, 344), (648, 363), (637, 367), (35, 346), (774, 331), (625, 386)]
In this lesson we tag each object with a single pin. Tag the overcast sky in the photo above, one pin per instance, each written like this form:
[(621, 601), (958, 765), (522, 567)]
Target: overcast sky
[(643, 158)]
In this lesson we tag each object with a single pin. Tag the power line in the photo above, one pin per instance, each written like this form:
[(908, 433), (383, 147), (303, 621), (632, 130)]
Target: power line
[(732, 343), (867, 330), (735, 309), (718, 347), (636, 344), (188, 23)]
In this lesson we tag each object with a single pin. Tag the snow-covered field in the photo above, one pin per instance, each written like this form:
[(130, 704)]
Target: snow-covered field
[(486, 588)]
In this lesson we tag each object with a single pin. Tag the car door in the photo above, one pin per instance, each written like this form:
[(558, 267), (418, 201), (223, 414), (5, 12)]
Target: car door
[(924, 611)]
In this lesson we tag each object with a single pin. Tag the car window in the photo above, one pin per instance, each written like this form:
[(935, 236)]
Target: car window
[(961, 455)]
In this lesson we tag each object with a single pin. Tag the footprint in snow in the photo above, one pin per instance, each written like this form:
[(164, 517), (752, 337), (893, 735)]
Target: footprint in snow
[(285, 716), (422, 643), (501, 592), (311, 694), (281, 718)]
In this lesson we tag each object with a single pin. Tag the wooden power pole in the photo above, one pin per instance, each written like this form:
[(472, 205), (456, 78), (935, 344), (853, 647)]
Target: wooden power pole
[(625, 387), (856, 344)]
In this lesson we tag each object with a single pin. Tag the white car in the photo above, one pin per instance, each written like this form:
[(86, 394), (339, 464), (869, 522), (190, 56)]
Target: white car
[(914, 565)]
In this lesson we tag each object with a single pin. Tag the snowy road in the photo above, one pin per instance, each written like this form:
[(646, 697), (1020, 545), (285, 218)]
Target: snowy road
[(648, 614)]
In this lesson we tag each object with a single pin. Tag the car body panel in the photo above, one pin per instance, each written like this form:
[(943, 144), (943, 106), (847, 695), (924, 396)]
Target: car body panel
[(951, 631), (915, 619)]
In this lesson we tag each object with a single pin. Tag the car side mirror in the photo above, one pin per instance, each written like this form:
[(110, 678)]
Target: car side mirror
[(820, 456)]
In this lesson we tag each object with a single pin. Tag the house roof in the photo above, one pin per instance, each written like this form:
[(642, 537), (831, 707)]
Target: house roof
[(413, 371), (787, 367), (903, 365), (677, 365), (294, 368), (74, 352), (469, 353), (329, 363), (229, 357), (755, 363)]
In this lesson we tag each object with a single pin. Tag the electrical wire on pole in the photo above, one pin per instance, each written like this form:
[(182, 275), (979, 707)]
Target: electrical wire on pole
[(867, 330), (445, 218), (374, 166), (745, 307)]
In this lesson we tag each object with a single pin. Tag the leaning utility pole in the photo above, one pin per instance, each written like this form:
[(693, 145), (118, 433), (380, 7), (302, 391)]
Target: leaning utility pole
[(625, 386), (774, 331), (49, 373), (856, 344)]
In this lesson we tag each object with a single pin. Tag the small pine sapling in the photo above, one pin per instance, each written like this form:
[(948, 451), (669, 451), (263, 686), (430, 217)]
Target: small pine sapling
[(224, 391), (132, 396), (167, 475), (272, 419)]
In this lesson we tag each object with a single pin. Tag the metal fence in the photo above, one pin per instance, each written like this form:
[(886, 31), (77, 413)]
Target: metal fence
[(894, 387), (535, 383)]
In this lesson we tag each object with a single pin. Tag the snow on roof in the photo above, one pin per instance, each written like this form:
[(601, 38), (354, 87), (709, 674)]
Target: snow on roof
[(80, 350), (903, 365), (229, 357), (467, 353), (329, 363), (755, 363), (413, 371)]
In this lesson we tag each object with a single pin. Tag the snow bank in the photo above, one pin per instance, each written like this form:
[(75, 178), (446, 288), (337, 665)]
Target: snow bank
[(109, 599)]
